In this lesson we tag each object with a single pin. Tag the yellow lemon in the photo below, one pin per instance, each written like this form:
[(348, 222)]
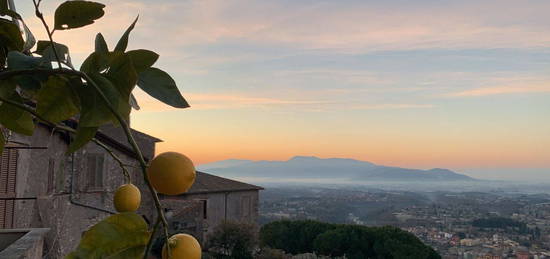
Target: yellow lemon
[(171, 173), (127, 198), (182, 246)]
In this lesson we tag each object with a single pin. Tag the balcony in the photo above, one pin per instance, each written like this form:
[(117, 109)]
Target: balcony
[(22, 243)]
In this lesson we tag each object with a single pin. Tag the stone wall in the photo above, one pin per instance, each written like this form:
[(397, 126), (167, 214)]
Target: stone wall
[(239, 206), (69, 207), (28, 245)]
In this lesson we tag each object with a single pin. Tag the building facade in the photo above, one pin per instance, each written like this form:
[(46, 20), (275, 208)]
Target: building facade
[(43, 187), (222, 199)]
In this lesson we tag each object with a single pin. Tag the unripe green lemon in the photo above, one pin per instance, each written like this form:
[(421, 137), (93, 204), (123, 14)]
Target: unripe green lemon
[(127, 198), (182, 246), (171, 173)]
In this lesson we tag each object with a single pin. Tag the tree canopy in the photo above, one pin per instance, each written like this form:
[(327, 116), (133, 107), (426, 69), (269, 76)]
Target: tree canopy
[(353, 241)]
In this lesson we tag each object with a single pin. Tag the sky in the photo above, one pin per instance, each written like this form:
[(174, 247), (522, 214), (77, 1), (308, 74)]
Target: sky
[(463, 85)]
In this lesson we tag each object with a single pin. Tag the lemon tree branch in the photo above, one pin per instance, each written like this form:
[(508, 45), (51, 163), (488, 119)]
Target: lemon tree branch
[(69, 130)]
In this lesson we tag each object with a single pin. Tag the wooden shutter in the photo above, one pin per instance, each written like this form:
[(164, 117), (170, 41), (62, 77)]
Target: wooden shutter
[(8, 177), (95, 168), (205, 209)]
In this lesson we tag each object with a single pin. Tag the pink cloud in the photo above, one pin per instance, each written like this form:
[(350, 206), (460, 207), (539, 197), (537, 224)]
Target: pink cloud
[(512, 89)]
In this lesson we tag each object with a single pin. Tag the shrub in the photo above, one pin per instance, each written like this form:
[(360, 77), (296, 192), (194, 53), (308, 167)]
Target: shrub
[(294, 237), (233, 240), (351, 241), (270, 253)]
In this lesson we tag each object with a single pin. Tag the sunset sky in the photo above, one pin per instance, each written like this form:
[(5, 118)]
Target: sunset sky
[(463, 85)]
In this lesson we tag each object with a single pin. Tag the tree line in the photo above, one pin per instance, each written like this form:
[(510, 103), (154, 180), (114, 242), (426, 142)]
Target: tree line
[(351, 241)]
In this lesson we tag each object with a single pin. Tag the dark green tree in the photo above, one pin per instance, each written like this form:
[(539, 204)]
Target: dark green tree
[(292, 236), (352, 241), (233, 240)]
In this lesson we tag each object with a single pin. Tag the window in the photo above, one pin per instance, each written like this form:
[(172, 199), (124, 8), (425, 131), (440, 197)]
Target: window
[(245, 206), (204, 209), (95, 168), (51, 176), (8, 177)]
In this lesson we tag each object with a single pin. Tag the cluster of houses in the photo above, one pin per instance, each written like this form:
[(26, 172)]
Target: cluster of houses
[(43, 187)]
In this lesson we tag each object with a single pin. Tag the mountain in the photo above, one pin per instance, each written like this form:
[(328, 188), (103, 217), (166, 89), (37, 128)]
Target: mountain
[(304, 167), (224, 163)]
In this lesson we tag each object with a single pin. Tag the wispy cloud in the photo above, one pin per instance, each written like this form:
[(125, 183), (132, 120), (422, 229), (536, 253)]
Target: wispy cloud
[(391, 106), (498, 90), (358, 26), (346, 26), (225, 101)]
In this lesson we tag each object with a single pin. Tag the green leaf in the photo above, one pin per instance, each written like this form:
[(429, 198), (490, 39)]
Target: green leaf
[(45, 49), (123, 42), (124, 77), (15, 118), (122, 74), (56, 100), (142, 59), (4, 10), (7, 88), (123, 235), (134, 102), (94, 110), (83, 136), (18, 60), (30, 41), (76, 14), (100, 44), (94, 63), (3, 7), (3, 55), (10, 36), (161, 86)]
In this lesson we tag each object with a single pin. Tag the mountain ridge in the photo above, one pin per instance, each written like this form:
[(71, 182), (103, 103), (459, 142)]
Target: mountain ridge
[(324, 168)]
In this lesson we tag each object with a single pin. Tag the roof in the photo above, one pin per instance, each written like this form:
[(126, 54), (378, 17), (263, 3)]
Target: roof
[(116, 137), (118, 134), (208, 183)]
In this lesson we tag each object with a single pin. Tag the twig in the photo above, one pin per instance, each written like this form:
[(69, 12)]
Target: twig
[(61, 71), (122, 122), (120, 163), (67, 129), (50, 33), (153, 232), (136, 149), (125, 127)]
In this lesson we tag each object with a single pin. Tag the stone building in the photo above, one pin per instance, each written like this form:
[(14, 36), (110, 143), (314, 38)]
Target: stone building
[(42, 187), (222, 199)]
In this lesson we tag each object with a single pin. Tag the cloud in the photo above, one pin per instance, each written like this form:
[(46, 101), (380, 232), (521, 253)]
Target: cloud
[(352, 26), (499, 90), (345, 26), (225, 101), (391, 106)]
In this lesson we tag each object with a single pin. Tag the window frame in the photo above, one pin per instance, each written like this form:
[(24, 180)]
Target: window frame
[(95, 182)]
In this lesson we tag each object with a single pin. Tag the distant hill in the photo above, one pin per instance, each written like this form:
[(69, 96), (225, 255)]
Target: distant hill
[(304, 167)]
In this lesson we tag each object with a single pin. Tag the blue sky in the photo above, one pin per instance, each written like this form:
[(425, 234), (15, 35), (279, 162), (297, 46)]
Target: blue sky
[(456, 84)]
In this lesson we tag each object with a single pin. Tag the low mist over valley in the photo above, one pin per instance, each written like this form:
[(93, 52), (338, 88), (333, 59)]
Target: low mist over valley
[(309, 167)]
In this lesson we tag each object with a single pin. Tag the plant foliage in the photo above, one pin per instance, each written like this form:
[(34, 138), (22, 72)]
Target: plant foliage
[(122, 235), (104, 82), (351, 241), (39, 84), (233, 240)]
